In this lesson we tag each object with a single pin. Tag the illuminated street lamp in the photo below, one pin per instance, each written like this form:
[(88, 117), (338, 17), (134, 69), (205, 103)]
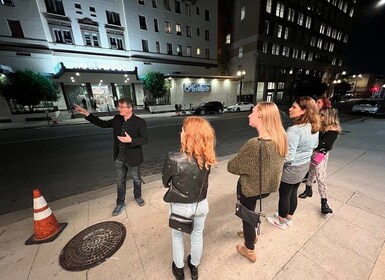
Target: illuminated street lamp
[(241, 75), (356, 77)]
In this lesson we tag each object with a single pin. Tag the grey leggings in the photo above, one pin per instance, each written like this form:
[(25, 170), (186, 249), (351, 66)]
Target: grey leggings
[(319, 172)]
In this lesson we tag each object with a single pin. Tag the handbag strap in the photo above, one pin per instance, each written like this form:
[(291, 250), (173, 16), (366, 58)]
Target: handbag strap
[(260, 184)]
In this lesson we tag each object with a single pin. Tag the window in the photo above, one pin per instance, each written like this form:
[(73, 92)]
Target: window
[(275, 49), (177, 7), (207, 53), (339, 35), (179, 50), (166, 4), (198, 32), (167, 27), (331, 47), (116, 42), (157, 46), (334, 33), (145, 45), (267, 27), (141, 2), (322, 28), (207, 35), (268, 6), (328, 31), (279, 31), (54, 7), (228, 39), (15, 28), (169, 48), (346, 38), (264, 47), (62, 35), (197, 11), (286, 35), (92, 11), (155, 4), (300, 19), (308, 22), (7, 2), (240, 52), (188, 51), (91, 39), (285, 51), (280, 10), (310, 56), (198, 51), (188, 9), (326, 45), (313, 40), (78, 8), (207, 15), (303, 55), (243, 12), (290, 14), (295, 53), (142, 22), (156, 25), (188, 31), (113, 18), (334, 60), (178, 29)]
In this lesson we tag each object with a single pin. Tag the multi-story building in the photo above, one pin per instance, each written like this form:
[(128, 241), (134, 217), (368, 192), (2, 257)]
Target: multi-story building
[(97, 50), (270, 42)]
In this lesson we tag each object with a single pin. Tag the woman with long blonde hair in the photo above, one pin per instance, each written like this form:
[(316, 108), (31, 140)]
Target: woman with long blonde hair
[(260, 158), (185, 174)]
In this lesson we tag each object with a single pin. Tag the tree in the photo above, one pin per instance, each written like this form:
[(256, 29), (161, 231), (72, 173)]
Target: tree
[(155, 84), (307, 85), (28, 88)]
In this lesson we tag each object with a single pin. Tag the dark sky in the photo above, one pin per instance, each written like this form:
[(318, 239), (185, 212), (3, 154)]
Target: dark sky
[(366, 47)]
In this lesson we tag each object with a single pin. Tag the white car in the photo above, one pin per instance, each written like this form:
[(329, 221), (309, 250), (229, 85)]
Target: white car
[(366, 107), (240, 106)]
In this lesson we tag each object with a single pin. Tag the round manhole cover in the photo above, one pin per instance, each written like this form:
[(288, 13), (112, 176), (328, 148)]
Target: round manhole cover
[(92, 246)]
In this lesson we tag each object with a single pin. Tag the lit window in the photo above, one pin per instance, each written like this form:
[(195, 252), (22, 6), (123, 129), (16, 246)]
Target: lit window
[(322, 28), (178, 29), (188, 51), (310, 57), (313, 41), (275, 49), (198, 51), (243, 13), (290, 14), (334, 60), (268, 6), (167, 27), (285, 51), (331, 47), (228, 39), (280, 10), (179, 50), (295, 53), (279, 31), (240, 52), (264, 47), (319, 43), (286, 36), (267, 27), (308, 22), (300, 19), (339, 35), (303, 55), (328, 31)]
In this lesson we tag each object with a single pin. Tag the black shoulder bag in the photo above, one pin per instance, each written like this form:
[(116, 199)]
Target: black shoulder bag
[(251, 217), (182, 223)]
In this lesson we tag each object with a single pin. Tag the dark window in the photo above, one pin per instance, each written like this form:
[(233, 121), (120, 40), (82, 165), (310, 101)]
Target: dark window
[(197, 10), (92, 9), (157, 46), (177, 7), (207, 53), (207, 15), (154, 3), (142, 22), (116, 43), (141, 2), (156, 25), (145, 45), (169, 48), (62, 36), (54, 7), (7, 2), (113, 18), (207, 35), (15, 27), (188, 31), (78, 6), (166, 4), (198, 32)]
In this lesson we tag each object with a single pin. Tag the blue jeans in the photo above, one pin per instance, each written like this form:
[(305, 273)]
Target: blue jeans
[(187, 210), (121, 177)]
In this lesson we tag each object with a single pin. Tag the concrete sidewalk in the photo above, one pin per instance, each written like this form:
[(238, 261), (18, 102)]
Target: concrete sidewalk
[(349, 244)]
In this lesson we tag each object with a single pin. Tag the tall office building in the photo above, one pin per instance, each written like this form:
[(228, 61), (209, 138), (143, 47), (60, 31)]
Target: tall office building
[(97, 50), (268, 43)]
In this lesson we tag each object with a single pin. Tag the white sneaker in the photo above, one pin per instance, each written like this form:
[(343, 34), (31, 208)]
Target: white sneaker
[(276, 222), (287, 222)]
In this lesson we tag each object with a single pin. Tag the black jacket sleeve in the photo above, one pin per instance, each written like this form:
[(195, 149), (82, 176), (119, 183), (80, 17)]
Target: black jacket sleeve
[(326, 140)]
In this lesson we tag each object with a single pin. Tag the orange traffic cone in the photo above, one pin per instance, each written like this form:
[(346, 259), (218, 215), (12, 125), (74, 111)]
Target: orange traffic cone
[(46, 227)]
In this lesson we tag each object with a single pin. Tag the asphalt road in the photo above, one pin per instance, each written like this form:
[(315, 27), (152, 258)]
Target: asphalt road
[(67, 160)]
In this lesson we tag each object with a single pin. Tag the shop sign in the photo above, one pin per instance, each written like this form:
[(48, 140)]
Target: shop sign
[(94, 66), (196, 87)]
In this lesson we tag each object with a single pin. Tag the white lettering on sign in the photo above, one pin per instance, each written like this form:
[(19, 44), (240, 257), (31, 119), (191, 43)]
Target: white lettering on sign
[(196, 87), (97, 66)]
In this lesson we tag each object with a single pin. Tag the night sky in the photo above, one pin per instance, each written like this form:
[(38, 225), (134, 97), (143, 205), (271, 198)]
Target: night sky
[(366, 46)]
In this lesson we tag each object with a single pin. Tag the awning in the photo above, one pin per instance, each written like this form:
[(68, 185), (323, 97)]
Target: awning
[(5, 69)]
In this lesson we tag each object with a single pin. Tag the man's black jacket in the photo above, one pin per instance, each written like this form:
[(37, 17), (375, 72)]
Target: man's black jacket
[(137, 129)]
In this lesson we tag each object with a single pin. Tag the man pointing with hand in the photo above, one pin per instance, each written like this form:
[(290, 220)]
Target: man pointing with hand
[(130, 133)]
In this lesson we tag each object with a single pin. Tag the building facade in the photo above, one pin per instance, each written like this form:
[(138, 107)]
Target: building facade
[(97, 50), (271, 42)]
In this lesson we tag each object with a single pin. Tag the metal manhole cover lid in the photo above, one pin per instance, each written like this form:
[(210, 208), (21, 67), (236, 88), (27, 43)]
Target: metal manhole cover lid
[(92, 246)]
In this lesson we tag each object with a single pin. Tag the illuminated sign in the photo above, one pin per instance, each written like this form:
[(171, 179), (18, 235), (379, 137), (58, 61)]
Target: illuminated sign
[(196, 87)]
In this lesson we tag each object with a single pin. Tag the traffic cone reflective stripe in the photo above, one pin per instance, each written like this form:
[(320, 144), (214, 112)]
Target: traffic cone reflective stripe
[(46, 227)]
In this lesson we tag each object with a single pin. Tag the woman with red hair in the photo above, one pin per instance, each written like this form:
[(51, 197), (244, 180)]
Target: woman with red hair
[(185, 174)]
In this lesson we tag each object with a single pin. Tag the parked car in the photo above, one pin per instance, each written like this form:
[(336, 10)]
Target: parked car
[(208, 107), (241, 106), (366, 106)]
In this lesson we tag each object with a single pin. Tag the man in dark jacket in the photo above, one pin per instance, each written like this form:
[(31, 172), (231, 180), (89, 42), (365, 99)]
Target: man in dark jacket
[(130, 133)]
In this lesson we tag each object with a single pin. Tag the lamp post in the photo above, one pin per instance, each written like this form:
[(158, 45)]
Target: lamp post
[(241, 75), (356, 77)]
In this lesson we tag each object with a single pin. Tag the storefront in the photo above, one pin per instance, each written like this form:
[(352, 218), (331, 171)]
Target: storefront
[(98, 89)]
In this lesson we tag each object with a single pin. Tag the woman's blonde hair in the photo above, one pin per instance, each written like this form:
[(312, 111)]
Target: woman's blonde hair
[(330, 118), (198, 141), (272, 124), (311, 114)]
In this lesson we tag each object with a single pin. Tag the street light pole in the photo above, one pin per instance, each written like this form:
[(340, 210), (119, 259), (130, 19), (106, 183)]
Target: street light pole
[(241, 75), (355, 82)]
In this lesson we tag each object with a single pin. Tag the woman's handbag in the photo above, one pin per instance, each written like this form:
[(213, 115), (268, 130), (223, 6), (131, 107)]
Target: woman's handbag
[(317, 158), (251, 217), (181, 223)]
